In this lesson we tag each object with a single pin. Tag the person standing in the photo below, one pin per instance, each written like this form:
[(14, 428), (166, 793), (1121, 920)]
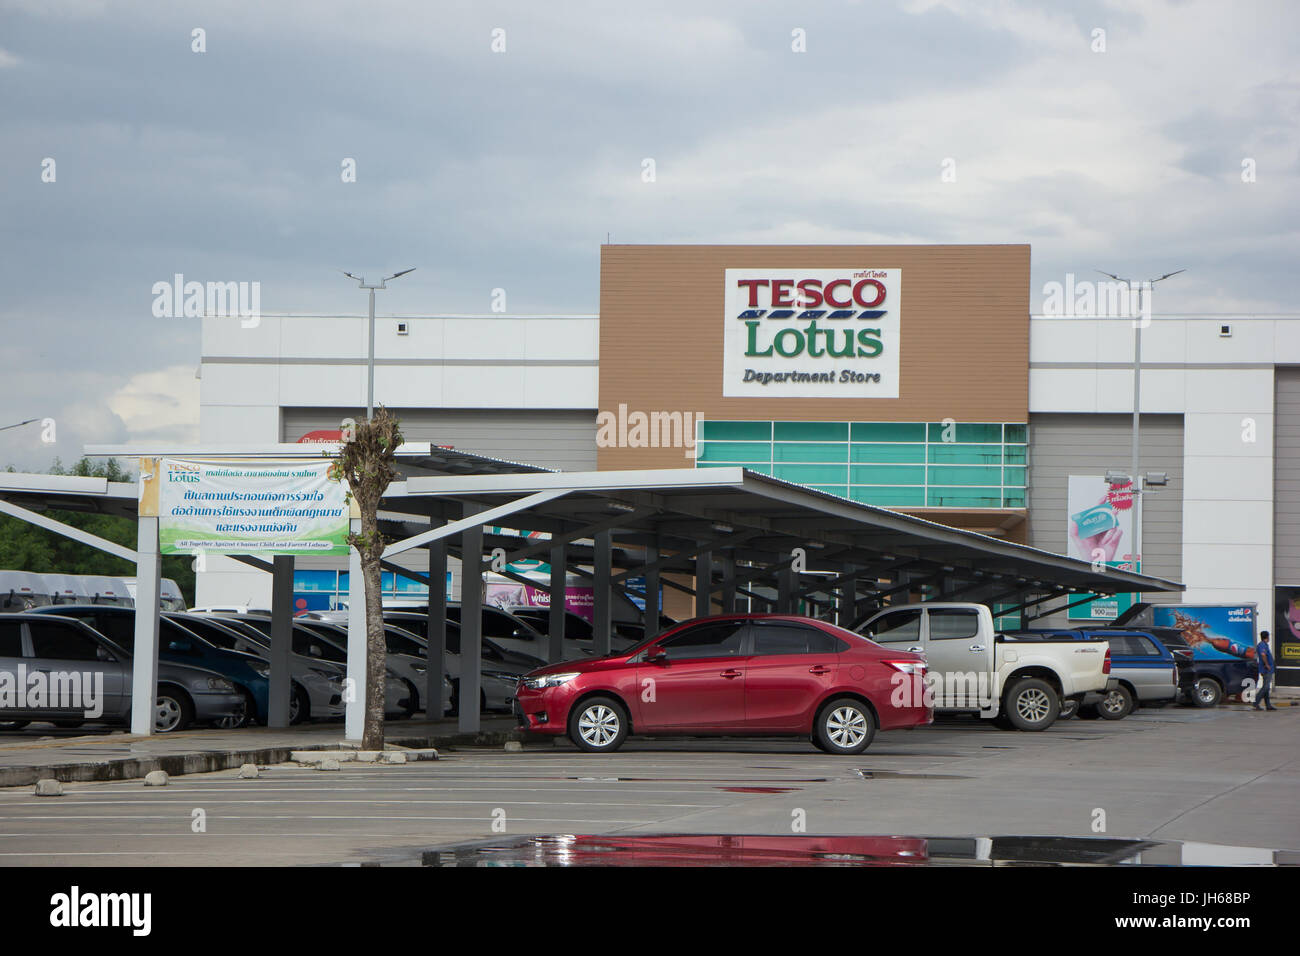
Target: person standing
[(1264, 661)]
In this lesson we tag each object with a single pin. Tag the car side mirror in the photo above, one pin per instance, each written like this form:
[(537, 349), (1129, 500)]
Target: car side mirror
[(657, 655)]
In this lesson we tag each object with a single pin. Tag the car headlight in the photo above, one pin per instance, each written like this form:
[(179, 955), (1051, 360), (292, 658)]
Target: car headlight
[(218, 683), (543, 681)]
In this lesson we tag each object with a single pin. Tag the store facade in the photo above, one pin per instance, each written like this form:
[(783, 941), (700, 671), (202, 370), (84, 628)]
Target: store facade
[(912, 377)]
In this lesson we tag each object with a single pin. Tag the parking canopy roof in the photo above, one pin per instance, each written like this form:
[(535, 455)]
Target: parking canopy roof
[(748, 517), (760, 519)]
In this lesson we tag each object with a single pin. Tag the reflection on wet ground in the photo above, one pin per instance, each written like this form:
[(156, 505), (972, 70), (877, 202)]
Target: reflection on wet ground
[(801, 850)]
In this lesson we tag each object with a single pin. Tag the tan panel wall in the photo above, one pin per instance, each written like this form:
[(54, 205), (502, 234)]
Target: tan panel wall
[(965, 335)]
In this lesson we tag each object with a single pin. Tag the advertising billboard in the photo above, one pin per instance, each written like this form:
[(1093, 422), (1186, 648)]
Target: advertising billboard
[(1286, 635), (811, 333), (242, 507), (1216, 632), (1099, 529)]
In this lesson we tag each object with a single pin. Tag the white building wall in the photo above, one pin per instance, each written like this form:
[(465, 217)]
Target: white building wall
[(1223, 387), (461, 361)]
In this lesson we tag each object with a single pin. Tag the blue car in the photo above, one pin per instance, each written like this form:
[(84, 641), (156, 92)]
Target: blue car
[(178, 645), (1146, 669)]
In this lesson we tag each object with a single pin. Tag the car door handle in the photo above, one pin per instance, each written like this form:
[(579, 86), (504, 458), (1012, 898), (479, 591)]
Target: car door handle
[(915, 649), (977, 647), (819, 669), (730, 674)]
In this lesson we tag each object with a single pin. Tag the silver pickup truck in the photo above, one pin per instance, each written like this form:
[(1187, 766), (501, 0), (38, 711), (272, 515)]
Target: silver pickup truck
[(1017, 680)]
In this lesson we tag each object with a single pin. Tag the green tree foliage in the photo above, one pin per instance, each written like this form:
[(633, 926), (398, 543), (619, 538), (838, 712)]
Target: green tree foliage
[(25, 547)]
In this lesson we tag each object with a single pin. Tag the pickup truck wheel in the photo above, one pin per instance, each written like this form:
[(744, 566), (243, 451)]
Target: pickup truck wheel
[(1117, 704), (1208, 693), (1069, 708), (1032, 704), (845, 726)]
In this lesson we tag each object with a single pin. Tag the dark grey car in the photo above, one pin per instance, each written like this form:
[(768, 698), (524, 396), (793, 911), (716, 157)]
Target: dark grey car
[(88, 677)]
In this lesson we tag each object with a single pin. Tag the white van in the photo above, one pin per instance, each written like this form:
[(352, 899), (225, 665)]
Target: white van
[(21, 591), (169, 594), (105, 590), (66, 588)]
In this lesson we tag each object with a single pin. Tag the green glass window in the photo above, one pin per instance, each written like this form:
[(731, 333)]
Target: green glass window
[(736, 431), (733, 451), (810, 431), (964, 432), (889, 497), (890, 464), (812, 474), (888, 431), (811, 451), (963, 497), (887, 475), (964, 475), (872, 454), (945, 454)]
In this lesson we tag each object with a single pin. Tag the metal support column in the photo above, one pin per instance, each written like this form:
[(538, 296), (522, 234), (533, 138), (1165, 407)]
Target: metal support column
[(281, 638), (653, 590), (786, 583), (847, 603), (703, 583), (354, 688), (603, 596), (556, 623), (728, 568), (471, 622), (436, 651), (144, 665)]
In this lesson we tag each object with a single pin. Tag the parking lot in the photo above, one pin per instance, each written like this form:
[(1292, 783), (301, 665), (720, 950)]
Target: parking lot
[(1226, 776)]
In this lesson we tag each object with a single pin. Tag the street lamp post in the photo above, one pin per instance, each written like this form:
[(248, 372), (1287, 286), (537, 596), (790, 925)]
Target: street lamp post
[(1135, 481), (370, 361)]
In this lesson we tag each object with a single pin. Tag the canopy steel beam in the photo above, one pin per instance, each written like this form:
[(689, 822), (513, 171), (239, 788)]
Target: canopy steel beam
[(76, 534), (488, 516)]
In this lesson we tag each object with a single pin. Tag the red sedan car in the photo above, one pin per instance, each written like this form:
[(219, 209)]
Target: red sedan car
[(739, 674)]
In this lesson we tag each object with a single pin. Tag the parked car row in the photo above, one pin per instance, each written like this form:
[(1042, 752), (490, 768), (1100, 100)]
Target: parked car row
[(767, 674)]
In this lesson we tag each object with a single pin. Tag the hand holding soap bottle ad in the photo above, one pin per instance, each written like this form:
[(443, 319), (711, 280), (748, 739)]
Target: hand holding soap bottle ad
[(1099, 520)]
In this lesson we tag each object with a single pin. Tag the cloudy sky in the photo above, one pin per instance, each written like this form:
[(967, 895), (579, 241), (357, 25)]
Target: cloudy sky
[(508, 169)]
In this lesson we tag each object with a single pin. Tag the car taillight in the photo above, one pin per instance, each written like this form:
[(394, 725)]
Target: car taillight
[(1105, 662), (916, 668)]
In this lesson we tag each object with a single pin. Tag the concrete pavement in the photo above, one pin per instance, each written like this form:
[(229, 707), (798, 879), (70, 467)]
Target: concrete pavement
[(1226, 780)]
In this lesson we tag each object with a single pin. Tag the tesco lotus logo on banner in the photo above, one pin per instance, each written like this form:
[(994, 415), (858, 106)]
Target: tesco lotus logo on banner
[(812, 333)]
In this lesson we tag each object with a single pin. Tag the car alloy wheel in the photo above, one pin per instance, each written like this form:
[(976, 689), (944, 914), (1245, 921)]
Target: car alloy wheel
[(846, 727), (598, 725), (1033, 705), (1114, 702), (167, 715)]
